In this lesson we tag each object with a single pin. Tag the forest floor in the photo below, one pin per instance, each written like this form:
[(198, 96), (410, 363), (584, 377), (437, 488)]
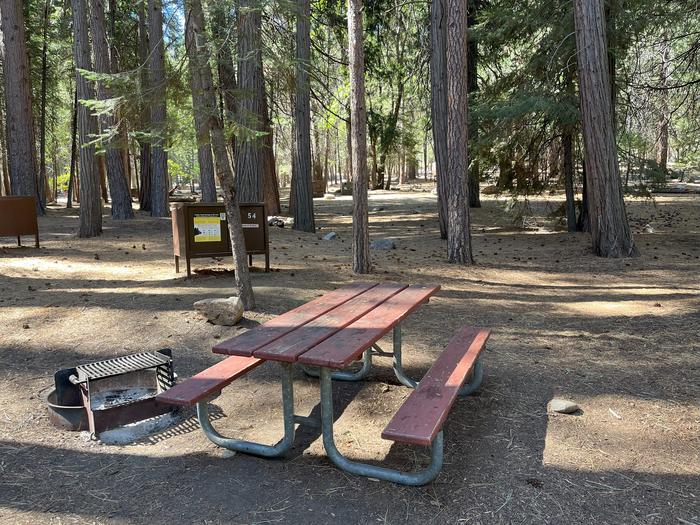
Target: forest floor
[(619, 337)]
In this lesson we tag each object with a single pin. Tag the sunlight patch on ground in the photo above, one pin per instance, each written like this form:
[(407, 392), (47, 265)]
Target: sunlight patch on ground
[(621, 308), (625, 433)]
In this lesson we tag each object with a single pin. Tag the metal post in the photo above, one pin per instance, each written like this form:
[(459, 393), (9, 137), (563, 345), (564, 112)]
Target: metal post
[(398, 367), (248, 447), (363, 469)]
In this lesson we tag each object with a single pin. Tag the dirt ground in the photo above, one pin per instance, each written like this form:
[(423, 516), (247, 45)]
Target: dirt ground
[(619, 337)]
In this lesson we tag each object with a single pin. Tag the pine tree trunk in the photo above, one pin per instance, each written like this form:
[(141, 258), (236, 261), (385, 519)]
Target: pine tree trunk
[(459, 249), (473, 88), (19, 117), (438, 80), (43, 182), (568, 154), (7, 189), (271, 186), (248, 157), (361, 262), (159, 158), (118, 187), (73, 151), (610, 231), (664, 112), (90, 201), (302, 188), (194, 42), (220, 27), (145, 116)]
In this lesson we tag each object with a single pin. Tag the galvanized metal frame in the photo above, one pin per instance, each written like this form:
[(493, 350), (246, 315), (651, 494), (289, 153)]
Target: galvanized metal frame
[(397, 365), (345, 375), (327, 376), (364, 469), (249, 447)]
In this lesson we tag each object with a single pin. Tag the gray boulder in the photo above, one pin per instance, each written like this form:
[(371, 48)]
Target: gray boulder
[(563, 406), (330, 236), (226, 312), (382, 244)]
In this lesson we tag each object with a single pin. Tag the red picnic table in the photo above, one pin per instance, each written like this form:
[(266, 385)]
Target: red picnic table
[(330, 333)]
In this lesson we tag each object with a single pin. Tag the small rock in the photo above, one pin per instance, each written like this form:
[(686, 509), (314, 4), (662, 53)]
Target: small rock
[(275, 221), (383, 244), (330, 236), (226, 312), (329, 197), (563, 406), (376, 208), (25, 326), (648, 228)]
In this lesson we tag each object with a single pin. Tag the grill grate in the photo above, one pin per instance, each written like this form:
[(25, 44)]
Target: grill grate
[(121, 365)]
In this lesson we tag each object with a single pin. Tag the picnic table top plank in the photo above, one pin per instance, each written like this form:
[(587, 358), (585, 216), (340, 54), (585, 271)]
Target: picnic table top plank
[(246, 343), (289, 347), (208, 381), (421, 417), (339, 350)]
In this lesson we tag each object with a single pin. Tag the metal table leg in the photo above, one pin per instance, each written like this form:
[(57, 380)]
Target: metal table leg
[(364, 469), (248, 447), (398, 366), (361, 374)]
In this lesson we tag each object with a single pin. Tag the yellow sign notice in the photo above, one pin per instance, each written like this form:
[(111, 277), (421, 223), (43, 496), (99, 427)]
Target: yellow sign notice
[(207, 228)]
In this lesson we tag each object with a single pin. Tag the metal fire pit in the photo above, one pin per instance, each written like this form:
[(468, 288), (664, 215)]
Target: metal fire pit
[(115, 392)]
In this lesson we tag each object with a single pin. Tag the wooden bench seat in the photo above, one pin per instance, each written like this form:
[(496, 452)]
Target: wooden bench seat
[(209, 381), (423, 413)]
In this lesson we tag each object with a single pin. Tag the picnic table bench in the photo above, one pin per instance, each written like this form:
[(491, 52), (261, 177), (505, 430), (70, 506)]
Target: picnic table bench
[(326, 336)]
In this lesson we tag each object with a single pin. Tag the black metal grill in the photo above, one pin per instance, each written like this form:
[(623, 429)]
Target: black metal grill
[(82, 382), (121, 365)]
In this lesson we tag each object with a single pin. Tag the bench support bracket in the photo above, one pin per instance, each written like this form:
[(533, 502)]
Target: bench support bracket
[(364, 469), (474, 381), (248, 447)]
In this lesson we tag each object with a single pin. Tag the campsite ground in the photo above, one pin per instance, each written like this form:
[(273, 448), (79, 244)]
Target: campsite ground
[(619, 337)]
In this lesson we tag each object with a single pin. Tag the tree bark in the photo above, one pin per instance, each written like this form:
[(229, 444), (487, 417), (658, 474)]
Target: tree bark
[(144, 143), (271, 186), (220, 27), (438, 80), (248, 157), (664, 112), (361, 262), (159, 158), (473, 88), (194, 42), (116, 177), (73, 151), (610, 231), (302, 188), (19, 116), (568, 154), (43, 182), (90, 201), (459, 248)]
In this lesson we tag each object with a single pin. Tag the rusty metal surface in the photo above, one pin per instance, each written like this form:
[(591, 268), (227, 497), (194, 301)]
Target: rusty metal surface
[(18, 217)]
